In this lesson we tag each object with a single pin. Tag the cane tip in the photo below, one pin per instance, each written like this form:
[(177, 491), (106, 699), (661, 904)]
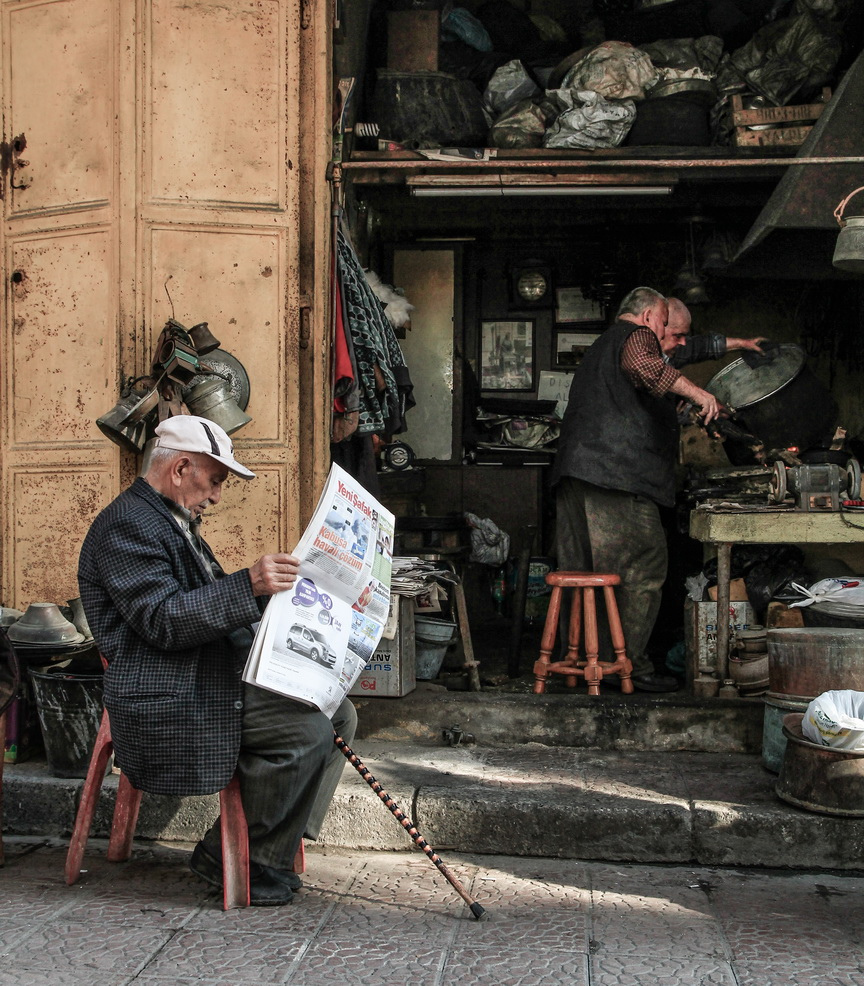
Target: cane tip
[(477, 910)]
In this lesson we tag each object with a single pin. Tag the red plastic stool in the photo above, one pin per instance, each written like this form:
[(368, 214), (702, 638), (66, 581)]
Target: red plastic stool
[(583, 609), (235, 834)]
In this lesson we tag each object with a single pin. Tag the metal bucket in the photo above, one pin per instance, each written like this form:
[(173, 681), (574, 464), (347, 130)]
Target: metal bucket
[(70, 710), (808, 661), (849, 249), (819, 778), (432, 639), (777, 707), (211, 398), (780, 400)]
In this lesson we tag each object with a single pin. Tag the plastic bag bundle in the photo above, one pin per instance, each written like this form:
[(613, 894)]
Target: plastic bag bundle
[(510, 84), (836, 719), (522, 125), (837, 597), (461, 25), (782, 58), (614, 69), (589, 120), (489, 544)]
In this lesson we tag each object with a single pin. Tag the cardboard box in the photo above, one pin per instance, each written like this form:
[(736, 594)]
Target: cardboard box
[(700, 632), (391, 671), (737, 591)]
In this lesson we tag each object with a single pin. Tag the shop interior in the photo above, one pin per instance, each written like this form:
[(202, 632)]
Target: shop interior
[(515, 257)]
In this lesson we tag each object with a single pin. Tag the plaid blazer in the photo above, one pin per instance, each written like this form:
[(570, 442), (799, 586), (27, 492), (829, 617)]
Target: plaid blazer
[(173, 684)]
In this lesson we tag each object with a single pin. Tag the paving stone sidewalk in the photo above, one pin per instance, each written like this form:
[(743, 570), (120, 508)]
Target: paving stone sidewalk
[(375, 917)]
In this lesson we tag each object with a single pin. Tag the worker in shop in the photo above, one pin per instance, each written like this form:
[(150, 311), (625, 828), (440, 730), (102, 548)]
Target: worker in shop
[(616, 466)]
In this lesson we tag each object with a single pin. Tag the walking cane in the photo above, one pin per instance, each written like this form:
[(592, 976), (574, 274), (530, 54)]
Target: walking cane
[(476, 909)]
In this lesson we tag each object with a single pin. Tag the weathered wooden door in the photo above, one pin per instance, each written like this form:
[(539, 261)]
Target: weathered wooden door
[(157, 159)]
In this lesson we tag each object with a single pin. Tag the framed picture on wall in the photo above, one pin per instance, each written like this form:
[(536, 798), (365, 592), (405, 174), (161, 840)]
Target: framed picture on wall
[(507, 355), (569, 344), (573, 306)]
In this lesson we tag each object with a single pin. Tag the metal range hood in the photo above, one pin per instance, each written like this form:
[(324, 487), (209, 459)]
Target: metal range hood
[(795, 234)]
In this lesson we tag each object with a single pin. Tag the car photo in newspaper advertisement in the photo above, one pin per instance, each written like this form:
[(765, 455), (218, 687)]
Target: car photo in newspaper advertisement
[(315, 639)]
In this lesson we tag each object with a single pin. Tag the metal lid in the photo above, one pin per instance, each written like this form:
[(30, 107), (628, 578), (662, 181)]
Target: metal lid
[(43, 623), (739, 385)]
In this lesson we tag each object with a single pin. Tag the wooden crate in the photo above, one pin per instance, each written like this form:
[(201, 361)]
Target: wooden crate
[(791, 124)]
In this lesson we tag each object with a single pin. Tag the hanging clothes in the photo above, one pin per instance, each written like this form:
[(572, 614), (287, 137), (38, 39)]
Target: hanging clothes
[(346, 393), (384, 384)]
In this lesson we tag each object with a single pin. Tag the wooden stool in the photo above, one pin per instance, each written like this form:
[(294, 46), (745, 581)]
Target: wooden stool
[(582, 608)]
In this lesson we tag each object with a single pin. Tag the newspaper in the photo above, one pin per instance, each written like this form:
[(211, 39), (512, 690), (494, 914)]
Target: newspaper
[(315, 639)]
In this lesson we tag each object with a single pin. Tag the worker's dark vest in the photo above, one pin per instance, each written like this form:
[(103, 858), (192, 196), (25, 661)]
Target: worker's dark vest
[(614, 435)]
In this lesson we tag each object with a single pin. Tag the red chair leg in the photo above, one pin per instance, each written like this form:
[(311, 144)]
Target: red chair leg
[(625, 666), (547, 642), (235, 847), (592, 672), (124, 821), (300, 859), (2, 759), (102, 750), (574, 633)]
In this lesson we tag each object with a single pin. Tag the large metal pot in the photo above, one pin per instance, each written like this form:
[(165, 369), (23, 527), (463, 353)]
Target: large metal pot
[(779, 400)]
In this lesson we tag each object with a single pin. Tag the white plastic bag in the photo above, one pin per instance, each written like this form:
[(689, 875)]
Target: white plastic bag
[(840, 597), (836, 719), (489, 544), (588, 120)]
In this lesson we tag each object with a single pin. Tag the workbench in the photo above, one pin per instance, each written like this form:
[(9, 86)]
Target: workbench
[(724, 527)]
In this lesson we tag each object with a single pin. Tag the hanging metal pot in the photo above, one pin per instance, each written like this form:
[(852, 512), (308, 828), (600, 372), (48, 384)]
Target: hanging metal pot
[(145, 404), (203, 339), (211, 398), (849, 249), (117, 426)]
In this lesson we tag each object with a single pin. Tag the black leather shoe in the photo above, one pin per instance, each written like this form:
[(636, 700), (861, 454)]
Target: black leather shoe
[(288, 877), (653, 682), (204, 864), (265, 890)]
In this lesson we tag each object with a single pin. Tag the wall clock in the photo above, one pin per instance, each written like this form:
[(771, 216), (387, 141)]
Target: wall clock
[(530, 284)]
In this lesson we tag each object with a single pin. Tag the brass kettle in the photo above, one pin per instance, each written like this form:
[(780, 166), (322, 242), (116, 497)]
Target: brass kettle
[(211, 398)]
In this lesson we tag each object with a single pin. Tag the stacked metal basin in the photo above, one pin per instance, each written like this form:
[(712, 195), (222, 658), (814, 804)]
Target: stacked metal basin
[(802, 664)]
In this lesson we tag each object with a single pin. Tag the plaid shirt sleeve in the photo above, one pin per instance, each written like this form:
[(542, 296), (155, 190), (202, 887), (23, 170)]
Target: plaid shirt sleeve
[(642, 363)]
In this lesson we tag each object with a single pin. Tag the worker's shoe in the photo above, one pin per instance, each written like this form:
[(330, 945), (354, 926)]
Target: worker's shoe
[(650, 681), (267, 885)]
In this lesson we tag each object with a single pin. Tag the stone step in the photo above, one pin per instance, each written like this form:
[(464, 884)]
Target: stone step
[(571, 718), (531, 799)]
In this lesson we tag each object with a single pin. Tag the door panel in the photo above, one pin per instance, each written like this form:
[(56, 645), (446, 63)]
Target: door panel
[(165, 141), (231, 279), (61, 65), (62, 355), (216, 103), (58, 505)]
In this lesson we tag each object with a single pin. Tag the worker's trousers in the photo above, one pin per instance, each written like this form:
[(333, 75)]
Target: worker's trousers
[(600, 530)]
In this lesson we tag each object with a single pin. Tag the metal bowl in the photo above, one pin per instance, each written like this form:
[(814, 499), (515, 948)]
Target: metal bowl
[(8, 616), (44, 624), (702, 89)]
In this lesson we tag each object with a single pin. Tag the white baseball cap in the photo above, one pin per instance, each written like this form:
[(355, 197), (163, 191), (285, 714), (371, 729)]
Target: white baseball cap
[(188, 433)]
